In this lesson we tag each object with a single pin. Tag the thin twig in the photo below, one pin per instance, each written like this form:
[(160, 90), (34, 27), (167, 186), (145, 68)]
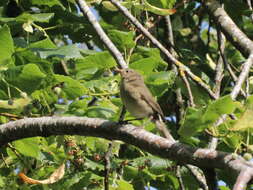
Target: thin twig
[(162, 48), (250, 8), (218, 78), (102, 35), (220, 66), (150, 26), (179, 177), (5, 163), (243, 75), (64, 67), (188, 87), (170, 36), (196, 172), (109, 153), (107, 166), (247, 87), (221, 46)]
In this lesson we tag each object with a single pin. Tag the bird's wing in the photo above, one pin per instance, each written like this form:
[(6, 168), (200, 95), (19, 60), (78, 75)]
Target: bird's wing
[(148, 97)]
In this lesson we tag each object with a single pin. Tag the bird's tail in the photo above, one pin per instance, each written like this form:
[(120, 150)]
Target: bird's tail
[(161, 126)]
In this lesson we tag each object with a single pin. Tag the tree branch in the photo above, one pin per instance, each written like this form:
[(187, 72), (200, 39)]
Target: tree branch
[(107, 167), (198, 175), (242, 180), (243, 75), (229, 28), (47, 126), (169, 56), (102, 35)]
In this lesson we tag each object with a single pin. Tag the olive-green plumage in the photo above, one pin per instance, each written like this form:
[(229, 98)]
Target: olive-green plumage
[(139, 101), (136, 96)]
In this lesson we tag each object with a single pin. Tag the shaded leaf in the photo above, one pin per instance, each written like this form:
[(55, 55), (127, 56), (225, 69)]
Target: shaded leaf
[(67, 52), (71, 87), (123, 40), (26, 77), (224, 105), (28, 146), (6, 47)]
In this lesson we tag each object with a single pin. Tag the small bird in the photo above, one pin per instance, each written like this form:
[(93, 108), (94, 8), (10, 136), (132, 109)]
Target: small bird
[(139, 101)]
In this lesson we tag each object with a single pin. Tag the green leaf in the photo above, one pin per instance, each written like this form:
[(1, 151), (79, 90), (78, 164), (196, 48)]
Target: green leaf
[(150, 52), (167, 3), (123, 40), (130, 173), (2, 183), (71, 87), (28, 146), (249, 102), (224, 105), (93, 165), (146, 65), (6, 47), (50, 3), (108, 85), (192, 123), (100, 60), (78, 104), (108, 5), (160, 82), (99, 112), (75, 179), (67, 52), (83, 182), (157, 10), (16, 105), (46, 44), (124, 185), (162, 3), (27, 17), (245, 120), (41, 17), (196, 120), (155, 164), (224, 188), (26, 77), (233, 140)]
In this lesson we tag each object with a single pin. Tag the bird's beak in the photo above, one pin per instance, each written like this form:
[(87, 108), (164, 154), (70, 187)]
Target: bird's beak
[(118, 70)]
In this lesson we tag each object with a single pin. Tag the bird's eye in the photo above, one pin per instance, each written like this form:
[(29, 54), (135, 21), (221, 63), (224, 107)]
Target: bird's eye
[(126, 71)]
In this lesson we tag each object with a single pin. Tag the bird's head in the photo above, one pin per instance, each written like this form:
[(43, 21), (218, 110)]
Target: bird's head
[(129, 74)]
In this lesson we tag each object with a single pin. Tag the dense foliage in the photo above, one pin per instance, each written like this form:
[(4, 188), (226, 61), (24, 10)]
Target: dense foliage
[(52, 62)]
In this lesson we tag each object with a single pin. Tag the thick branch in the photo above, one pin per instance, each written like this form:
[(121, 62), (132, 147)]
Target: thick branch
[(47, 126), (92, 19), (229, 28), (243, 179)]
